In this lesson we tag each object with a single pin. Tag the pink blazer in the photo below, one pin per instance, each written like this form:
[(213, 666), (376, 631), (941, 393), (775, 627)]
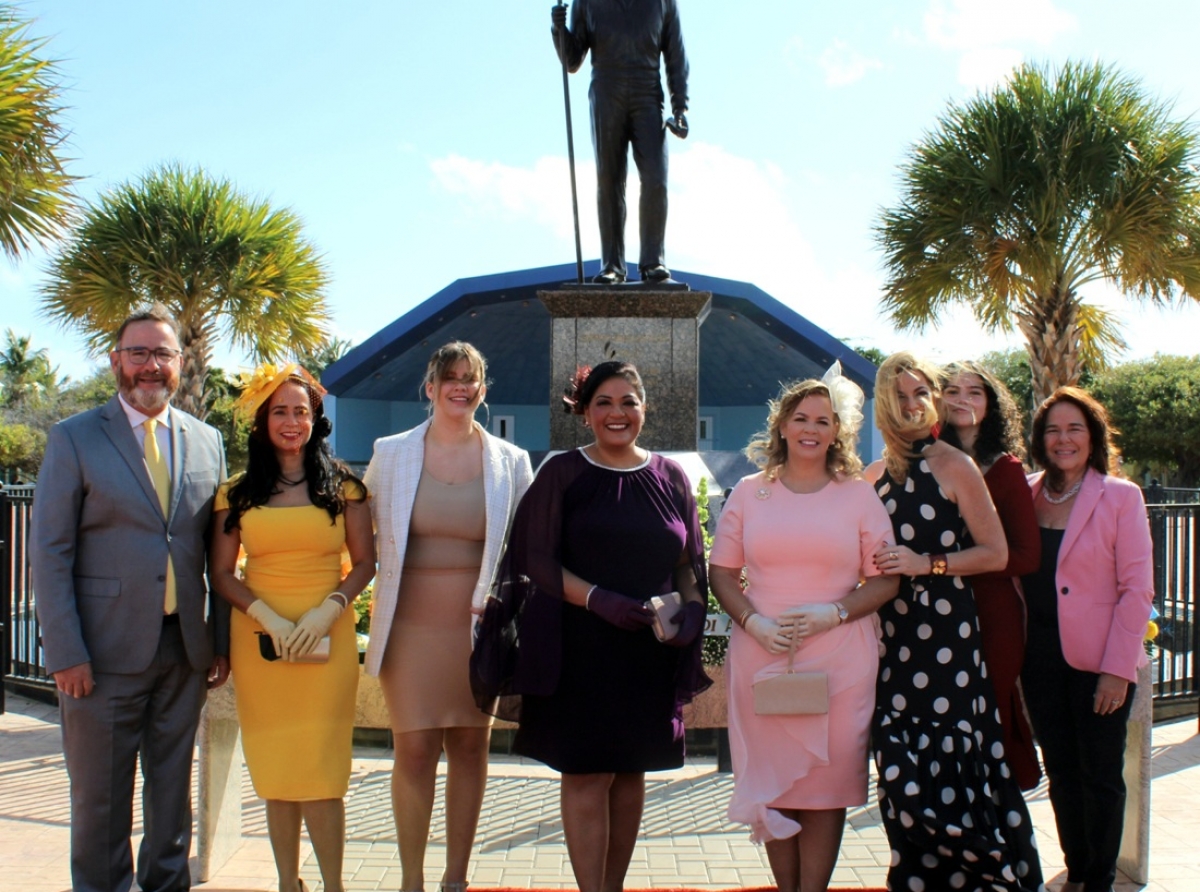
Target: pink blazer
[(1105, 576)]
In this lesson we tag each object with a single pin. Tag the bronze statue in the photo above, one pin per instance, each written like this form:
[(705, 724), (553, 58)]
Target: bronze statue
[(626, 38)]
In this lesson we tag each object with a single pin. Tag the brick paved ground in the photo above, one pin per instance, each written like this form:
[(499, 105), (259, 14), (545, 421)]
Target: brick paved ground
[(685, 838)]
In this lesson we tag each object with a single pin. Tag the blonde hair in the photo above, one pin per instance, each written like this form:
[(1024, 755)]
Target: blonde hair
[(768, 449), (446, 357), (899, 430)]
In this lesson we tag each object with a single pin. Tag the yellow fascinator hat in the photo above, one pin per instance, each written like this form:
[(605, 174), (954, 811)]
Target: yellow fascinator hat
[(258, 385)]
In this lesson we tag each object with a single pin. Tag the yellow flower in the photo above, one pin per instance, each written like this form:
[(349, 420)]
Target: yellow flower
[(1151, 631)]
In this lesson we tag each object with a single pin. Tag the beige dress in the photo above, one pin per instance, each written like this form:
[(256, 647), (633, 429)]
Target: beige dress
[(424, 674)]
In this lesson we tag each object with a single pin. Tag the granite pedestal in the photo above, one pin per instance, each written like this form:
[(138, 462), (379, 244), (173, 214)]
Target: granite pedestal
[(657, 330)]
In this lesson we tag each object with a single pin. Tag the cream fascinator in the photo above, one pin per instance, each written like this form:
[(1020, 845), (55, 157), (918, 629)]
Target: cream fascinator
[(257, 386), (846, 396)]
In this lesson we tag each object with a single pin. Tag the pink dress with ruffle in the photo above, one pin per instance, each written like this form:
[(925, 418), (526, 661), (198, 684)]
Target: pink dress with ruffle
[(798, 549)]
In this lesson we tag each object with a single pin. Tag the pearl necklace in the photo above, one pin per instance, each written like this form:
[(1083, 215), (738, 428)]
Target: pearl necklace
[(1070, 493)]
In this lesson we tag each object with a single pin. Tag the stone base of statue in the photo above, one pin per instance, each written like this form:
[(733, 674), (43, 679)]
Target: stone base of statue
[(657, 329), (219, 803), (1134, 857)]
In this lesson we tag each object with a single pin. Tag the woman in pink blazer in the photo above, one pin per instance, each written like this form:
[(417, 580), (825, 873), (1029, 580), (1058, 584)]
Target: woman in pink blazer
[(1088, 603)]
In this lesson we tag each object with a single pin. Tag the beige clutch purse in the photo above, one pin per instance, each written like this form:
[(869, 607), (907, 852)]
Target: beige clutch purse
[(319, 654), (791, 692)]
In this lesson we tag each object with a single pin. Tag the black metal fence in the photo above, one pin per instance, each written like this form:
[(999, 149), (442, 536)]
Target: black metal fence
[(1156, 494), (1175, 528), (21, 659)]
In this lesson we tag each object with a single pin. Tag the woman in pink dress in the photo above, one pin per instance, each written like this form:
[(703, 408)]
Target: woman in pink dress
[(803, 530)]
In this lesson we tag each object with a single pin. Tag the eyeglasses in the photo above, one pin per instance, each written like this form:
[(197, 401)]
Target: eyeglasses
[(141, 355)]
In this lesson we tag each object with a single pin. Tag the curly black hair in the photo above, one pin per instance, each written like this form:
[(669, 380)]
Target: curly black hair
[(325, 474), (1000, 431)]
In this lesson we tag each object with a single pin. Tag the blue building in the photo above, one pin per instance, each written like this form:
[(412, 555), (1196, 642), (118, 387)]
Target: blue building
[(749, 343)]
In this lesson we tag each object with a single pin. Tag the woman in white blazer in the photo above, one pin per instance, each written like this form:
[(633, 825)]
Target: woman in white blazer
[(442, 497)]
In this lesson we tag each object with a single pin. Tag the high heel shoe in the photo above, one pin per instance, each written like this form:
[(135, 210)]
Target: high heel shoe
[(453, 887)]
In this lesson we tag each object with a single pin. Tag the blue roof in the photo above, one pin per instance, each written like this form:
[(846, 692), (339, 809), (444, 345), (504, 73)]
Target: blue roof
[(749, 343)]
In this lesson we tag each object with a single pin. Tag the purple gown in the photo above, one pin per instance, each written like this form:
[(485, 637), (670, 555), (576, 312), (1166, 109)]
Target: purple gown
[(590, 697)]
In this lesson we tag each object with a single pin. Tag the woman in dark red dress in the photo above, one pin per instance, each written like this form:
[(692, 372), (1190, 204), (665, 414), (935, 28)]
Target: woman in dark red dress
[(566, 639), (981, 419)]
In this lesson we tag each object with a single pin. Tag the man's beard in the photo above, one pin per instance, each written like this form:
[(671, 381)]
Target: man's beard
[(148, 402)]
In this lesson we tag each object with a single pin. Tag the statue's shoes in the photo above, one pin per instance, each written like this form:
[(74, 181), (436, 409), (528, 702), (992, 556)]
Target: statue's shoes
[(610, 277), (657, 273)]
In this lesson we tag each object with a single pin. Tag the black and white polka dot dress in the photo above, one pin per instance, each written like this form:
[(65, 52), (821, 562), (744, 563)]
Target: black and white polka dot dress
[(953, 813)]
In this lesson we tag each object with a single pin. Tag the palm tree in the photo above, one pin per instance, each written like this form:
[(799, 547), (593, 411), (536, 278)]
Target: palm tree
[(25, 373), (223, 263), (1026, 194), (36, 202), (317, 361)]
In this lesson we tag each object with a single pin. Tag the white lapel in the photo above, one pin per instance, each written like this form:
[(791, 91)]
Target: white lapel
[(406, 474)]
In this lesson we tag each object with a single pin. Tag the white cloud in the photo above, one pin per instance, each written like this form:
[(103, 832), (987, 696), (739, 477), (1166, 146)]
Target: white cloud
[(844, 65), (970, 24), (987, 35), (987, 66)]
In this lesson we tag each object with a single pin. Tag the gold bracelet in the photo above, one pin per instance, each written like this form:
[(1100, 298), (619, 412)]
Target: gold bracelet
[(746, 614)]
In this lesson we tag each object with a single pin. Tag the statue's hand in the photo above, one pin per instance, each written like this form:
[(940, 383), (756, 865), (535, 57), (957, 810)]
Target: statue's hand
[(678, 125), (558, 15)]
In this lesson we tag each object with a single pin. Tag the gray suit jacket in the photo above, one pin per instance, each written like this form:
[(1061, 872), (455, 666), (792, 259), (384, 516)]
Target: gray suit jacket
[(100, 543)]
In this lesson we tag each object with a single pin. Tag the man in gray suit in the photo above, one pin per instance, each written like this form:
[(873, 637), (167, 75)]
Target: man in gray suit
[(130, 631)]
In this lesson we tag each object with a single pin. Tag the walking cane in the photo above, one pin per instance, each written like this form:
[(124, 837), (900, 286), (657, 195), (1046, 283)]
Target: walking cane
[(562, 55)]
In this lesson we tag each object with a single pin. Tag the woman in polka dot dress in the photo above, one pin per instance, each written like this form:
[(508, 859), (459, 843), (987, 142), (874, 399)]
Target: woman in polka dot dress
[(952, 810)]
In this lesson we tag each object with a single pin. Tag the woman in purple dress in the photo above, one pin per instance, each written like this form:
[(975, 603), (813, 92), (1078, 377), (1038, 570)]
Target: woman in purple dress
[(566, 639)]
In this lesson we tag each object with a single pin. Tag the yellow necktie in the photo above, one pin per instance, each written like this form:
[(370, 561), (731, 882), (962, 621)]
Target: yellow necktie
[(161, 478)]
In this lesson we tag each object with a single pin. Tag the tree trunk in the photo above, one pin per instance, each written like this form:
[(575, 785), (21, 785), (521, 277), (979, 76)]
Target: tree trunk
[(1051, 328), (192, 396)]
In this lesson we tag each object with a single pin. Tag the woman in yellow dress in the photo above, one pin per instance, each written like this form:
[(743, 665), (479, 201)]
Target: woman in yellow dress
[(296, 512)]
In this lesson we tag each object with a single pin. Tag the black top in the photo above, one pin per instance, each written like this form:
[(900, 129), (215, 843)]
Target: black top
[(1041, 589)]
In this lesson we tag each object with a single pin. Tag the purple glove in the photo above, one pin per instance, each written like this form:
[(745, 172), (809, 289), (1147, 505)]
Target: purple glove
[(690, 619), (622, 612)]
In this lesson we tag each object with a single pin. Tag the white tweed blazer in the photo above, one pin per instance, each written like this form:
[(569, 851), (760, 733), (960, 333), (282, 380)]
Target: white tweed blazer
[(392, 478)]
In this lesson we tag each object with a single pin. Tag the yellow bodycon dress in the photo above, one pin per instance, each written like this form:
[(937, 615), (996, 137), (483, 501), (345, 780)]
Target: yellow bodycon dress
[(297, 719)]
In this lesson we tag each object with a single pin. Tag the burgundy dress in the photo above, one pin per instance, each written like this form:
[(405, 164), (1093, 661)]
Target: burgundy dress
[(1002, 612), (590, 697)]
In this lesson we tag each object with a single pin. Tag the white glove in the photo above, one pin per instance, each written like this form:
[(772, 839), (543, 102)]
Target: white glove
[(313, 626), (810, 619), (771, 637), (273, 624)]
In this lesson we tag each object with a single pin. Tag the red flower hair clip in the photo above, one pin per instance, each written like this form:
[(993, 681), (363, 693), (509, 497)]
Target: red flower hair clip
[(573, 389)]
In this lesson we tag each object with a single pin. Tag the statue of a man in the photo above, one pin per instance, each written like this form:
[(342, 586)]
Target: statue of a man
[(626, 38)]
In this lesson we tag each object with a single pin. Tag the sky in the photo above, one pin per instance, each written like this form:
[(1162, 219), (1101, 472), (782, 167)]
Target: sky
[(425, 142)]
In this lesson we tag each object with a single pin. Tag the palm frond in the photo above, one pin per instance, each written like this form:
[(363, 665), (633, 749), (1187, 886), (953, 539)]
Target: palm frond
[(36, 198)]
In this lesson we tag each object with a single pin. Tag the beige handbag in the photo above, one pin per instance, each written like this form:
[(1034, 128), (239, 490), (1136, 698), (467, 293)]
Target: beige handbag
[(791, 692)]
